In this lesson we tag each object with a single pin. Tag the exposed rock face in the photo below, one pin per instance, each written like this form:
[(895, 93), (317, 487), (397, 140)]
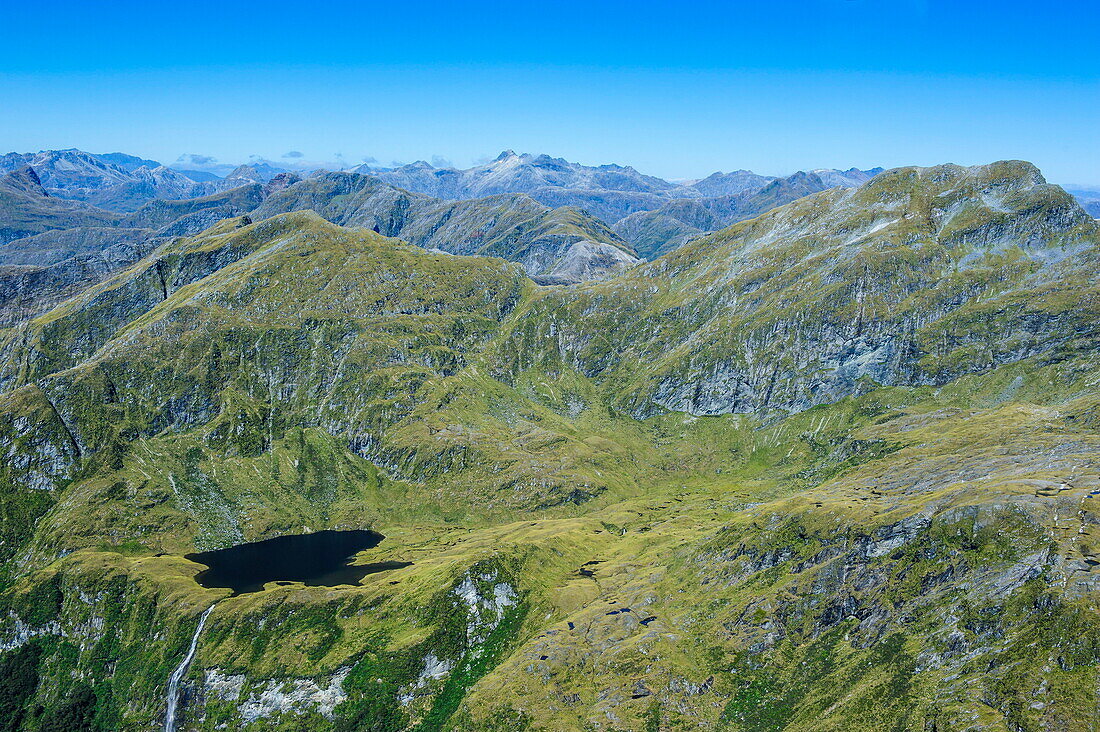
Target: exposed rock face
[(256, 701), (486, 598), (915, 278), (586, 260), (834, 467), (279, 182)]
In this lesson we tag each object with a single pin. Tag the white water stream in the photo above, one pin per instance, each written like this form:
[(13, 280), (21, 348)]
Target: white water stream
[(177, 675)]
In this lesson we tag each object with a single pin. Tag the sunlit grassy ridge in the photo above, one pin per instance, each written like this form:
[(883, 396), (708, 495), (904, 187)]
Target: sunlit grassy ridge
[(830, 468)]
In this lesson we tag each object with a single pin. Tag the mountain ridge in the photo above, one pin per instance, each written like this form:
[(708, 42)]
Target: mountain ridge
[(832, 467)]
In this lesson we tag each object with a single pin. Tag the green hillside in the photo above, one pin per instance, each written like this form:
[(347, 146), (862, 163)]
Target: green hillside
[(836, 467)]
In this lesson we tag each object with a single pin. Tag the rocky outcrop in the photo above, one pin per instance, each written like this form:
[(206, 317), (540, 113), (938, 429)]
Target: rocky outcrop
[(286, 698)]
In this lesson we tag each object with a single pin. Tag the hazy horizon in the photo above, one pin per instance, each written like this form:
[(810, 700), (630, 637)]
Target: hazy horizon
[(674, 93)]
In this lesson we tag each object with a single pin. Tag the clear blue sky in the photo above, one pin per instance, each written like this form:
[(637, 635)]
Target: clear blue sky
[(677, 89)]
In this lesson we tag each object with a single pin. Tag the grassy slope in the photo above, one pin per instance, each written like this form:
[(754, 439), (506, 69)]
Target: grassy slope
[(897, 557)]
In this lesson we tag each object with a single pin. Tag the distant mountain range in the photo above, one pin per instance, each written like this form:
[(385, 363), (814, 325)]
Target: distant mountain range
[(563, 222), (115, 181), (610, 192), (1088, 198), (554, 245), (123, 183)]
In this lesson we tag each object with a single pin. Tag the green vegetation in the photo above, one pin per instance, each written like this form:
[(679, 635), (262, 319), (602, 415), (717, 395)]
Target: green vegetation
[(834, 468)]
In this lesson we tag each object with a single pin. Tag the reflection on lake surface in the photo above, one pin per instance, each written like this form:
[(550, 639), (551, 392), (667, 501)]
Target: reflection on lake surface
[(318, 559)]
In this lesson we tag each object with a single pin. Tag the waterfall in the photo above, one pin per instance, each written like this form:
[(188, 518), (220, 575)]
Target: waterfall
[(177, 675)]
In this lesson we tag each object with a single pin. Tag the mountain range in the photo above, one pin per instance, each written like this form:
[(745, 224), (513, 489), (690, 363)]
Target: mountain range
[(572, 243), (809, 453)]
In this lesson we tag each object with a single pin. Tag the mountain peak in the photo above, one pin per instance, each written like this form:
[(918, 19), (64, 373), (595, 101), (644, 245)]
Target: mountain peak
[(24, 179)]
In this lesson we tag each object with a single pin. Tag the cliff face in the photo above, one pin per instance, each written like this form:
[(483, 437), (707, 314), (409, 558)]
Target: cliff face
[(833, 467), (918, 277)]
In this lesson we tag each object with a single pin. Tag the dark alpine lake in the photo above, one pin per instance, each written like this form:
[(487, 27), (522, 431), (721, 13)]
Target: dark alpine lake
[(318, 559)]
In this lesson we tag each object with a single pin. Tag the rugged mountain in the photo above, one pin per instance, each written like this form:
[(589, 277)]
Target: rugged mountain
[(202, 176), (127, 162), (52, 248), (836, 467), (730, 184), (556, 246), (193, 215), (746, 181), (512, 173), (1089, 199), (850, 178), (658, 232), (261, 172), (845, 285), (607, 191), (633, 203), (144, 184), (27, 209), (77, 175), (39, 272), (65, 170), (56, 246), (668, 227)]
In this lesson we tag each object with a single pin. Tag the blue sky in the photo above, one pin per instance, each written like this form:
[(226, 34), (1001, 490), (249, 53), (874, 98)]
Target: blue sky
[(674, 89)]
